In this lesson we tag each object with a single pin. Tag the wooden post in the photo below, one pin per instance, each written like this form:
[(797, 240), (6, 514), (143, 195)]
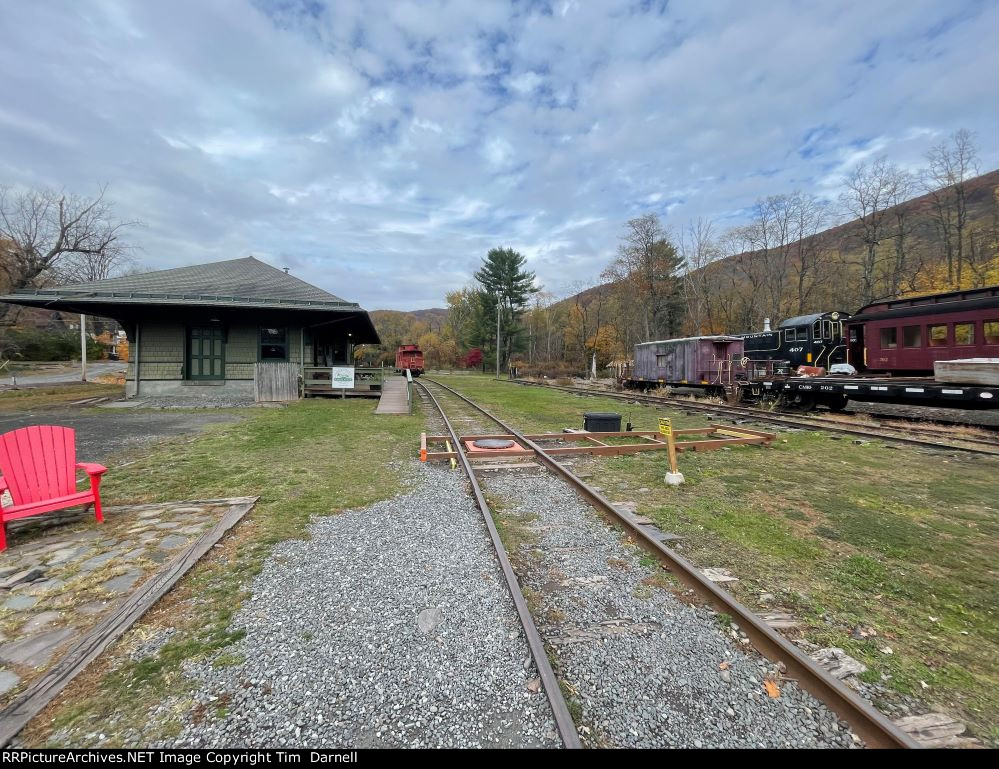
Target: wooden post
[(674, 477), (83, 347), (671, 450)]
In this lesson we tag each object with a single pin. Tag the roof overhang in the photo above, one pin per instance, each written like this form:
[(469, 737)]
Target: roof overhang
[(128, 308)]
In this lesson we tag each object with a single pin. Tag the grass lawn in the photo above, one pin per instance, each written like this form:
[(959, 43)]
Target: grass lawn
[(898, 540), (315, 457), (28, 398)]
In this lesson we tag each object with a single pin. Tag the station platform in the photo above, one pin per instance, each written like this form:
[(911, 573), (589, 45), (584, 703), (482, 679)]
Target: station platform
[(395, 397)]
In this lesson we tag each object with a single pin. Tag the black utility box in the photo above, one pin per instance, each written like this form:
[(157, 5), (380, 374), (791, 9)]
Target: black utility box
[(601, 422)]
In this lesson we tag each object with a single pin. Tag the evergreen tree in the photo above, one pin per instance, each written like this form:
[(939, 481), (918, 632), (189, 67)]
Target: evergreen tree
[(504, 279)]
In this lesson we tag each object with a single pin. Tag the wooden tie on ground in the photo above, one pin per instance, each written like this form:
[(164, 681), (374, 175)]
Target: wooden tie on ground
[(395, 398), (717, 437), (43, 690)]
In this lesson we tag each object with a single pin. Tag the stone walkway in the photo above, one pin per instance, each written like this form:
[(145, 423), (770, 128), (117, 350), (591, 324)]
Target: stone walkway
[(62, 572)]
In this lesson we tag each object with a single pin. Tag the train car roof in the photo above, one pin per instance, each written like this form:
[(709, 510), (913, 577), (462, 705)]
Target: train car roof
[(804, 320), (882, 312), (929, 300), (714, 338)]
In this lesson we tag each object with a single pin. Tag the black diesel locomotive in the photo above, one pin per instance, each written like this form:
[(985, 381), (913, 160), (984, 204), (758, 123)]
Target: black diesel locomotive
[(818, 339)]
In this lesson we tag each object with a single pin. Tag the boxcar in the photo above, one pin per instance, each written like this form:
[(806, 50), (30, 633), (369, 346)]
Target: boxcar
[(409, 356), (907, 336), (699, 361), (818, 339)]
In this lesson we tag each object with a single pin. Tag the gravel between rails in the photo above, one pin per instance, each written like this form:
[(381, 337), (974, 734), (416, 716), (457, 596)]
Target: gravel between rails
[(643, 665), (341, 647)]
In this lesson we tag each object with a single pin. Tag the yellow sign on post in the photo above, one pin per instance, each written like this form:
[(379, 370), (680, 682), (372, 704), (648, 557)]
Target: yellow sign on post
[(666, 430)]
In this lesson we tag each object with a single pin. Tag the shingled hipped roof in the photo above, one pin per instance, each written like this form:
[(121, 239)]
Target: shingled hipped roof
[(233, 284)]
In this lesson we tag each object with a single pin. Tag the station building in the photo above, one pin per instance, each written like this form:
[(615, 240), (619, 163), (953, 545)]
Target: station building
[(214, 325)]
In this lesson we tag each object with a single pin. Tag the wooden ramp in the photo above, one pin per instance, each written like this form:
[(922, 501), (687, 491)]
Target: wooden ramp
[(395, 396)]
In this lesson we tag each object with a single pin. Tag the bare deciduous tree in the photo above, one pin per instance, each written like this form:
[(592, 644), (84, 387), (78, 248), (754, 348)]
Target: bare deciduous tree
[(699, 249), (902, 273), (951, 164), (44, 232), (868, 197)]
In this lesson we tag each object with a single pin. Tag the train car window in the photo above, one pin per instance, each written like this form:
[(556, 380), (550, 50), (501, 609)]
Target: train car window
[(937, 335), (661, 361), (889, 338), (991, 328), (789, 335), (964, 333), (912, 336), (827, 329), (816, 330)]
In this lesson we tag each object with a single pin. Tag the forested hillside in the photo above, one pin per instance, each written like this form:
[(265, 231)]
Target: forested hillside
[(889, 232)]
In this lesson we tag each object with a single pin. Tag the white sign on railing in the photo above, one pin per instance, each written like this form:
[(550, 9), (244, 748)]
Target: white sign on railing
[(342, 377)]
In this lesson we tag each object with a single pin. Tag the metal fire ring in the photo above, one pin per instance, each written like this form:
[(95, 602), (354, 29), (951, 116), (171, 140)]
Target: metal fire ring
[(493, 443)]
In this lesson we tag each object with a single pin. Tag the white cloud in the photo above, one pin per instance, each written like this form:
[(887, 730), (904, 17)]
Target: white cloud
[(378, 152), (498, 152)]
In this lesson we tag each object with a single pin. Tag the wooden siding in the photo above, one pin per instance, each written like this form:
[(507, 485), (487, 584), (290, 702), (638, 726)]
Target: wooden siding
[(162, 349), (275, 381)]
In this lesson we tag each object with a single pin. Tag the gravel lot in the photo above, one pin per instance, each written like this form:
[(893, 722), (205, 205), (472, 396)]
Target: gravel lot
[(103, 433), (645, 667), (391, 627)]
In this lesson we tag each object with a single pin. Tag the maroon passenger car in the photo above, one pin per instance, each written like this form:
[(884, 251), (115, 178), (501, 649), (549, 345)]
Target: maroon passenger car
[(905, 336)]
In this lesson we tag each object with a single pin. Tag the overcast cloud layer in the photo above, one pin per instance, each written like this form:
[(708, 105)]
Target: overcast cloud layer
[(379, 150)]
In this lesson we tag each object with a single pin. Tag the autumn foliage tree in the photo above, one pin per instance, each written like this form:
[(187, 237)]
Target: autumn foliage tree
[(648, 264)]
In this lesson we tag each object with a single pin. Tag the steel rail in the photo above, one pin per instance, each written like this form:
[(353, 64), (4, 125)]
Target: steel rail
[(560, 710), (806, 422), (872, 726)]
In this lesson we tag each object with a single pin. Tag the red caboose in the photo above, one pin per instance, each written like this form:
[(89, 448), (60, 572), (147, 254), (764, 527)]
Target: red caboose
[(409, 356)]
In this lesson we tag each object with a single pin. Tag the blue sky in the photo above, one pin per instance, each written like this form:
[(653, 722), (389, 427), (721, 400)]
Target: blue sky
[(380, 149)]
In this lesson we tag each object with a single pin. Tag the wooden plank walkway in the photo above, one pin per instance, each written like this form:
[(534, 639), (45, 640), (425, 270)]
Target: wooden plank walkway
[(393, 400)]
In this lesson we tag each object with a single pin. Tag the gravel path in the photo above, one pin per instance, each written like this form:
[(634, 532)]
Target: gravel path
[(645, 667), (392, 626)]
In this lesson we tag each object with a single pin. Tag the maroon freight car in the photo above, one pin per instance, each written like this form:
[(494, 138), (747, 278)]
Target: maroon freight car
[(906, 336), (409, 356), (699, 361)]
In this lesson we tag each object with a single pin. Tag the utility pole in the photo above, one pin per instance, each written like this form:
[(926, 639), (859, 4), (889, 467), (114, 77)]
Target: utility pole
[(83, 347), (497, 335)]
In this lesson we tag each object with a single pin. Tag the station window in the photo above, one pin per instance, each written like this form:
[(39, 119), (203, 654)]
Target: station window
[(991, 328), (889, 338), (661, 361), (912, 336), (964, 333), (789, 335), (273, 344), (937, 335)]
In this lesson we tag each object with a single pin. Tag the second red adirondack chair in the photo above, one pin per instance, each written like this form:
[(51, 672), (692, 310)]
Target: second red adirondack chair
[(38, 466)]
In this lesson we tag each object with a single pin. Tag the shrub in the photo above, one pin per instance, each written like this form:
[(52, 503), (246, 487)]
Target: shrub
[(35, 344)]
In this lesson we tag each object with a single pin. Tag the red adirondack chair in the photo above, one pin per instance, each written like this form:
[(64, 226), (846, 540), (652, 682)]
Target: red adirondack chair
[(38, 466)]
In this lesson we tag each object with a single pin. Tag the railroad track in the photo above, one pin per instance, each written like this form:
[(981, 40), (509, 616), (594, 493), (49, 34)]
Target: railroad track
[(969, 444), (866, 722), (560, 709)]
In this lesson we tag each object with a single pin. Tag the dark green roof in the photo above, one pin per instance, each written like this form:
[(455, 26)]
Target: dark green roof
[(236, 284)]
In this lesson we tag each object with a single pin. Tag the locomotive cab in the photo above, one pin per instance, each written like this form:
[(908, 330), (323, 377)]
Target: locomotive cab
[(814, 340)]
